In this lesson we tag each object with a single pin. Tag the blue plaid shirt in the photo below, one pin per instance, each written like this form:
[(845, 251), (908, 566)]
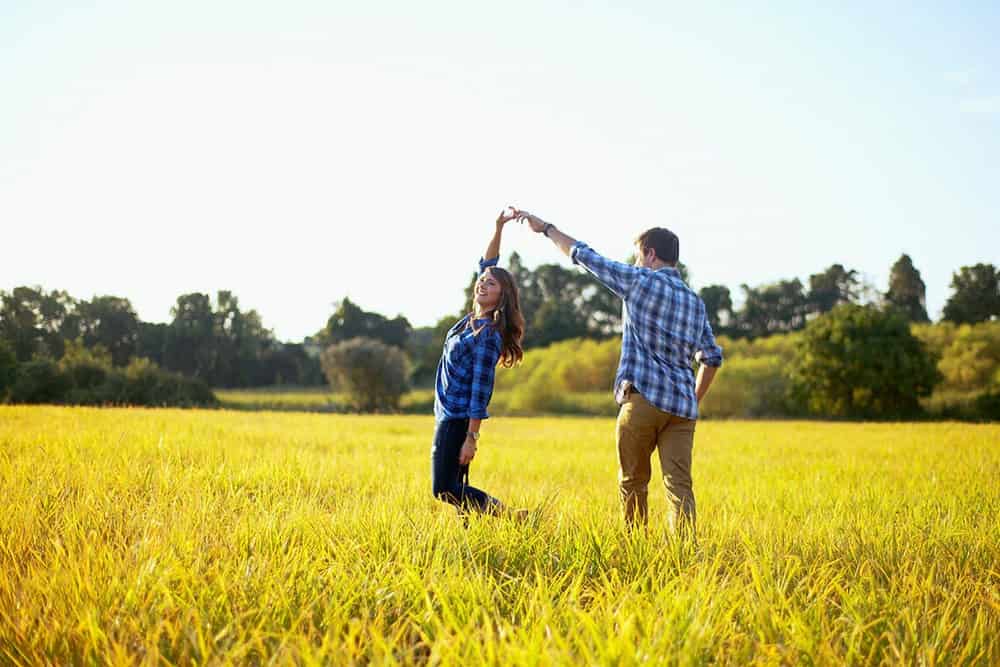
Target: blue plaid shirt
[(468, 365), (664, 329)]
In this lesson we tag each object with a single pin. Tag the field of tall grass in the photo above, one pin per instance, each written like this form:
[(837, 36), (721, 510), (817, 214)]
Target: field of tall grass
[(535, 400), (151, 536)]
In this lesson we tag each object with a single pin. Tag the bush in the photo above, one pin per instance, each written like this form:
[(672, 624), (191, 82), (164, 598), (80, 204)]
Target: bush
[(775, 345), (86, 377), (89, 372), (373, 374), (571, 366), (8, 370), (858, 361), (535, 396), (972, 359), (40, 381), (754, 386), (988, 406), (145, 383)]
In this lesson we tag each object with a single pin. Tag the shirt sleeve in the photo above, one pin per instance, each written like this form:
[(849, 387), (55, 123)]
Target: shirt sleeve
[(616, 276), (487, 263), (485, 354), (709, 353)]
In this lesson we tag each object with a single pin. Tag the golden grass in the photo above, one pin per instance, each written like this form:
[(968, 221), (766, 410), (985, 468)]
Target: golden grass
[(163, 536)]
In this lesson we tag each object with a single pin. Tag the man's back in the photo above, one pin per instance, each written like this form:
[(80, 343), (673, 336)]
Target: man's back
[(665, 329)]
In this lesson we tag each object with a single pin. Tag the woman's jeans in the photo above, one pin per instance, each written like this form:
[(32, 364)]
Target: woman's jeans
[(449, 479)]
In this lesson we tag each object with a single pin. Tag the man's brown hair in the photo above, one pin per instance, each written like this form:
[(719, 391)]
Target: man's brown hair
[(663, 241)]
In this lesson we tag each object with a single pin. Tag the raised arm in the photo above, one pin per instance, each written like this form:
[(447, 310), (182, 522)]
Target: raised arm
[(493, 248), (564, 242), (616, 276)]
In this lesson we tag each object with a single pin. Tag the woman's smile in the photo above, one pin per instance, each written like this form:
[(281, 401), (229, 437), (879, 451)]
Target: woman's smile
[(487, 291)]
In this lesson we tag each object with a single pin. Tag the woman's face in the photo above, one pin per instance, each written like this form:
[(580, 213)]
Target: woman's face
[(488, 291)]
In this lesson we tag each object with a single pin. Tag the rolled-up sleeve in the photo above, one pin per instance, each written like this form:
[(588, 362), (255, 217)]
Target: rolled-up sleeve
[(616, 276), (485, 354), (487, 263), (709, 353)]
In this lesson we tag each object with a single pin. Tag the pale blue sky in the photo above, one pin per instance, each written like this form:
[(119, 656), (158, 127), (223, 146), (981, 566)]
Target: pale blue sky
[(303, 152)]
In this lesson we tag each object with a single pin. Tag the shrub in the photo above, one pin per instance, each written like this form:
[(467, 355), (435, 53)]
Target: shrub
[(988, 406), (535, 396), (858, 361), (40, 381), (755, 386), (8, 369), (576, 365), (89, 373), (145, 383), (86, 377), (373, 374), (972, 359)]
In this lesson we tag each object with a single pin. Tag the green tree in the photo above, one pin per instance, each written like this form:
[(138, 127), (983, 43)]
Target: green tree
[(245, 352), (976, 295), (151, 341), (8, 369), (831, 288), (426, 345), (527, 291), (774, 308), (372, 373), (351, 321), (860, 362), (718, 306), (907, 291), (37, 323), (600, 308), (557, 320), (111, 322), (189, 347)]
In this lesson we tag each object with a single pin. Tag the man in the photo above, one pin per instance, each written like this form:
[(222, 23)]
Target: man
[(664, 329)]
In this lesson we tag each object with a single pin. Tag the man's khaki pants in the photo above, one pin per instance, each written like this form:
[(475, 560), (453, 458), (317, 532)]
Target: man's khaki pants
[(641, 429)]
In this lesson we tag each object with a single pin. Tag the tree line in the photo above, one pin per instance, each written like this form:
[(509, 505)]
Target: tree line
[(224, 345), (561, 303), (882, 369), (217, 342)]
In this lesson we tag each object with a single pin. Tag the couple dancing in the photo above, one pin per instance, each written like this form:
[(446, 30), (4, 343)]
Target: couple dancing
[(664, 329)]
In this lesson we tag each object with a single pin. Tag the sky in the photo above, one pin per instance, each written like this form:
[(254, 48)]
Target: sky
[(298, 153)]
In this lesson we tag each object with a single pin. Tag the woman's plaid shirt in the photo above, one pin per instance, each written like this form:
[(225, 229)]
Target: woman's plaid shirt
[(467, 367), (664, 330)]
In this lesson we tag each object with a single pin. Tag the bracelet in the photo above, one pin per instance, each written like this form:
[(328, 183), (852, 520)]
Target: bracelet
[(474, 434), (545, 230)]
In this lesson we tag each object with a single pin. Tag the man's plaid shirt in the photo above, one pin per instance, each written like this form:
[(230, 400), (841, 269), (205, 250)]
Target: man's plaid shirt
[(467, 368), (664, 329)]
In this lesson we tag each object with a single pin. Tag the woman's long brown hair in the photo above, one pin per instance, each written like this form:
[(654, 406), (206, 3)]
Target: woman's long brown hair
[(506, 318)]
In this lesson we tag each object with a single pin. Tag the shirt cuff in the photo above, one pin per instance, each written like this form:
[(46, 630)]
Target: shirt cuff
[(577, 247), (714, 360), (487, 263)]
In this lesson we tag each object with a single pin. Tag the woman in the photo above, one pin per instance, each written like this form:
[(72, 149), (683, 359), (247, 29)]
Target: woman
[(492, 332)]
